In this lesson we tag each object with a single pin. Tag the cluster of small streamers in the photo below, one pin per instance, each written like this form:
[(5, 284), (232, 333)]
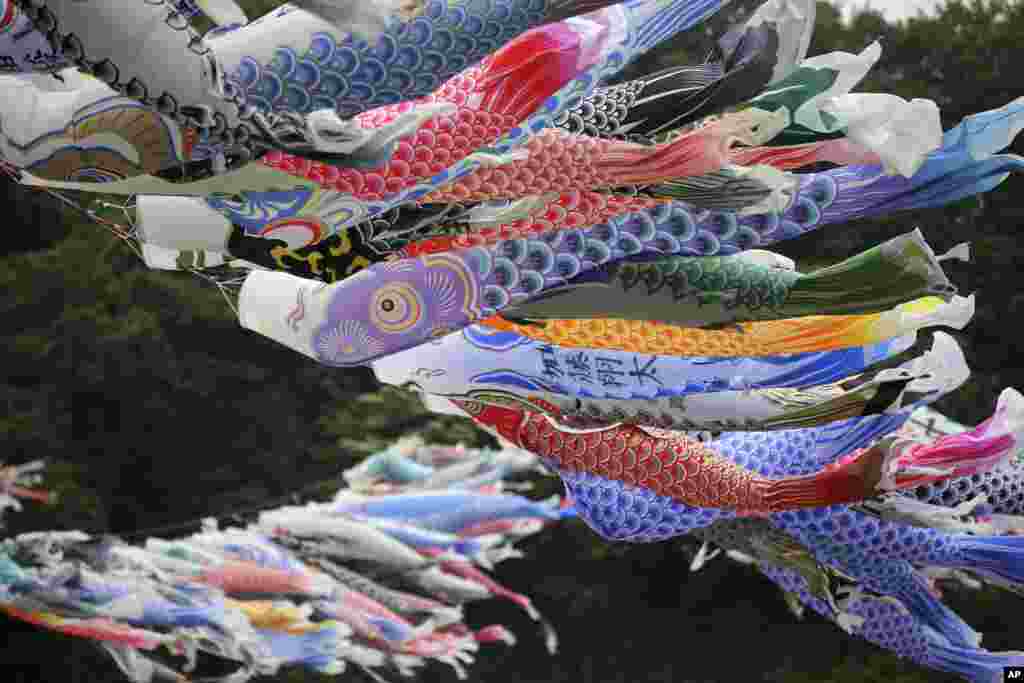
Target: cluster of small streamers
[(448, 191), (375, 579), (18, 482)]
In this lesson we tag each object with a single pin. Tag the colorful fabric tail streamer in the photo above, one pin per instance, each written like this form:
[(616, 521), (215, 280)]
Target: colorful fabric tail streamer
[(888, 624), (795, 335), (711, 291), (697, 476), (469, 362), (449, 512), (766, 48)]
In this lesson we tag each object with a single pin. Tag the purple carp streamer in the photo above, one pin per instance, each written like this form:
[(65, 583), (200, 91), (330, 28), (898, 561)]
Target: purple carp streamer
[(448, 192)]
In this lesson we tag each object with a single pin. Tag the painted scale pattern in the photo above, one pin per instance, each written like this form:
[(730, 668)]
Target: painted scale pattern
[(489, 99), (1003, 486), (732, 282), (794, 452), (838, 533), (392, 307), (620, 512), (568, 211), (433, 147), (625, 510), (758, 338), (895, 577), (639, 511), (554, 78), (892, 627), (678, 468), (408, 60), (642, 108), (560, 162), (672, 465), (398, 305), (645, 24), (515, 270), (886, 624), (948, 175), (653, 22), (769, 546), (961, 168)]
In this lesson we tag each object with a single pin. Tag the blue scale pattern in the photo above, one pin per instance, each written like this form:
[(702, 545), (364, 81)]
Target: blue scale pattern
[(409, 60)]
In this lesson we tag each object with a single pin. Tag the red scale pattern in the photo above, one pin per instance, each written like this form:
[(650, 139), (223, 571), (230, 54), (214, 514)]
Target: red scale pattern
[(438, 144), (492, 98), (659, 460), (671, 466)]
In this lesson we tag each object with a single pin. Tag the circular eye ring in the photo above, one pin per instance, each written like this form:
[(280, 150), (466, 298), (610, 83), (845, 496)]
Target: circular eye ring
[(396, 308)]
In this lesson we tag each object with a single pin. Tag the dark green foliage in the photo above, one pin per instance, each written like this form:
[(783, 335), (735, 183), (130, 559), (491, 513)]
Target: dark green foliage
[(155, 408)]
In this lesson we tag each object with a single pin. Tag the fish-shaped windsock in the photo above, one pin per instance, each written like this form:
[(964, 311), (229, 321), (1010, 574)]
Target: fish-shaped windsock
[(947, 543), (449, 512), (763, 338), (888, 624), (674, 465), (420, 539), (418, 299), (764, 49), (879, 391), (819, 199), (624, 31), (479, 360), (713, 291), (164, 62), (346, 538)]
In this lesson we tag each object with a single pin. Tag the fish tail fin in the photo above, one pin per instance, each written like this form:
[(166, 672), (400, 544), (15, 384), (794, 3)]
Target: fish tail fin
[(900, 270), (1002, 556), (975, 664)]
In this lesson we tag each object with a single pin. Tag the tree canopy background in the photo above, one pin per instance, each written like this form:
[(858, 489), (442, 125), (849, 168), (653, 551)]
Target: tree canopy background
[(155, 408)]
